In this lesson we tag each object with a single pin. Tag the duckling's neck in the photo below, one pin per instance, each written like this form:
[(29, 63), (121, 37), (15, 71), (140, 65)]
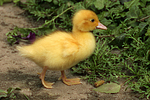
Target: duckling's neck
[(76, 32), (82, 36)]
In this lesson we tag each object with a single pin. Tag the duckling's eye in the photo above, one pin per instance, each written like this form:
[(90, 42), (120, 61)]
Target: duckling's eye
[(92, 20)]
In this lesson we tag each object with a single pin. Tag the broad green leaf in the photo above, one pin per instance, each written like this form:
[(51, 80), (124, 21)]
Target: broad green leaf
[(79, 6), (108, 88), (147, 10), (15, 1), (49, 0), (112, 26), (103, 14), (131, 3), (99, 4), (145, 1), (1, 2), (123, 14), (148, 20), (117, 29), (142, 5), (110, 3), (123, 1), (5, 1), (106, 22), (142, 25), (55, 2), (116, 9), (133, 12), (133, 23), (70, 3), (148, 31)]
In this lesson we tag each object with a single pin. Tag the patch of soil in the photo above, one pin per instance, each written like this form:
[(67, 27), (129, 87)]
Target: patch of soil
[(19, 72)]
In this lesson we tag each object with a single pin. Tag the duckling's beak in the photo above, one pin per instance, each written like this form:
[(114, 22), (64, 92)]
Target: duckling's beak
[(101, 26)]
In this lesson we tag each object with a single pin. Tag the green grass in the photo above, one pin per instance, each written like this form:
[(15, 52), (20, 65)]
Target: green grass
[(9, 94), (128, 32)]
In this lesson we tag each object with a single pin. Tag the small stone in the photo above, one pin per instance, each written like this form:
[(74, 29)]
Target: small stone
[(31, 82), (27, 92)]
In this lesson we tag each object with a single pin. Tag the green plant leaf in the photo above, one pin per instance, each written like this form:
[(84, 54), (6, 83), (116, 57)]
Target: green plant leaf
[(131, 3), (134, 12), (3, 95), (15, 1), (116, 9), (99, 4), (147, 10), (49, 0), (79, 6), (148, 31), (10, 90), (123, 1), (142, 25), (55, 2), (110, 3), (106, 22), (108, 88), (2, 91)]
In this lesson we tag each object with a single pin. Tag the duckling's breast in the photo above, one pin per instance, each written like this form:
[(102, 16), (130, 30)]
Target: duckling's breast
[(86, 46)]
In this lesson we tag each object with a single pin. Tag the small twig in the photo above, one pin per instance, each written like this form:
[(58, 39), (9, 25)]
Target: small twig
[(56, 17), (142, 19), (46, 23), (126, 81), (129, 28), (103, 36)]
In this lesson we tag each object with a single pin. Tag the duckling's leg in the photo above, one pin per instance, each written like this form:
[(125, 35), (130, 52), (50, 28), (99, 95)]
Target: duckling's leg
[(69, 81), (42, 76)]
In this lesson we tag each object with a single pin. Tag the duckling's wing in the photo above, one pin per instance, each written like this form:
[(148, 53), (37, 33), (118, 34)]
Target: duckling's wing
[(70, 48)]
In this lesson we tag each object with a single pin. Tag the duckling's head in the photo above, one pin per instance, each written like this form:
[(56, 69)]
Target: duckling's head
[(86, 20)]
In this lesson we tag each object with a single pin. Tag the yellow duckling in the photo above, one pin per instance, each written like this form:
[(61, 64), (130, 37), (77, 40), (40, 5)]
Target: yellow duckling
[(62, 50)]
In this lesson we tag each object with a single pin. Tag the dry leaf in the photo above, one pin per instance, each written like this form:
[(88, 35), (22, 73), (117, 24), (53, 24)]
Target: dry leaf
[(99, 83)]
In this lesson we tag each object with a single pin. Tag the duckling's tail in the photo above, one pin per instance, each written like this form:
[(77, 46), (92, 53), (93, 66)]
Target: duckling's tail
[(25, 51)]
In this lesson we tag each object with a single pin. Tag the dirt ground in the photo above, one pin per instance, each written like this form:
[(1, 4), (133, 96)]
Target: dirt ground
[(19, 72)]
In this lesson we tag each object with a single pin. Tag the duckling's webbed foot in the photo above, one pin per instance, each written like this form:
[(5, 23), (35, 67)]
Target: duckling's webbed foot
[(69, 81), (42, 76)]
